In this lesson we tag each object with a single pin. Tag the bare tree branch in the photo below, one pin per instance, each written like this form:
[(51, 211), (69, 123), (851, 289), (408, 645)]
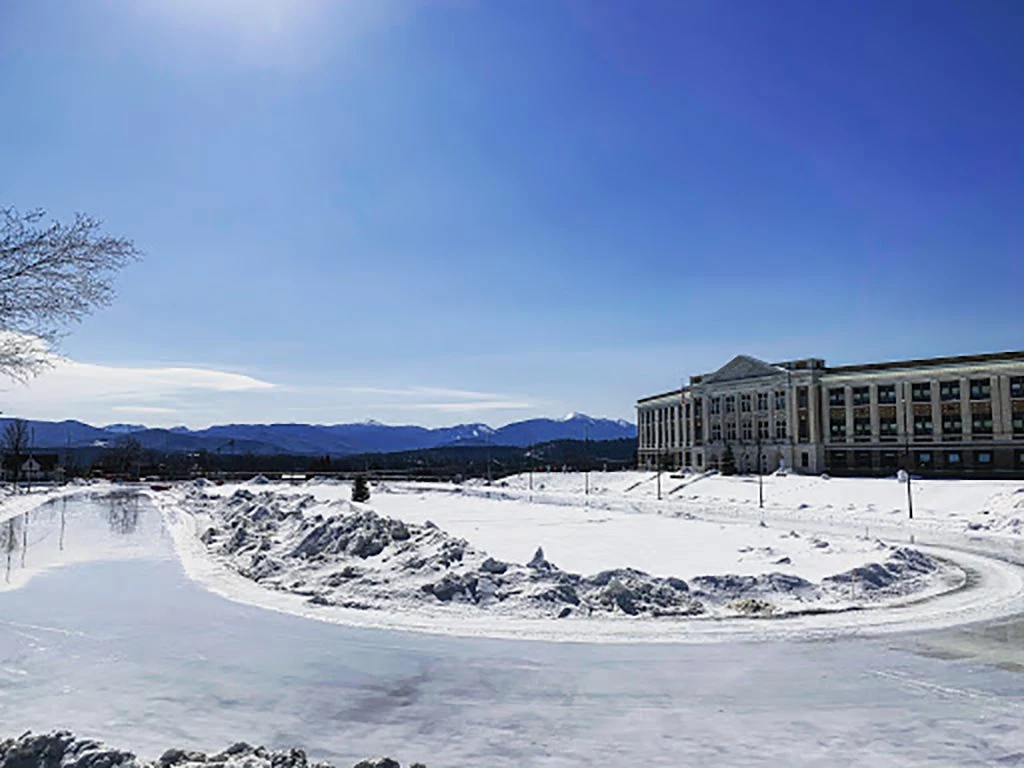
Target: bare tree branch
[(51, 275)]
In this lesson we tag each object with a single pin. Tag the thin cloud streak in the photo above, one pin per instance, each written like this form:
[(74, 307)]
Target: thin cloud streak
[(461, 407)]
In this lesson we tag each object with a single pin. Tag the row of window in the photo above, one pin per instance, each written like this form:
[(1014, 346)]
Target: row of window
[(921, 392), (952, 425), (837, 460), (747, 402), (745, 430)]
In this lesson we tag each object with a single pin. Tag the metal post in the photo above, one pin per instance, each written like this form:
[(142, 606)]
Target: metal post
[(488, 441), (659, 477), (906, 456), (586, 459), (530, 466)]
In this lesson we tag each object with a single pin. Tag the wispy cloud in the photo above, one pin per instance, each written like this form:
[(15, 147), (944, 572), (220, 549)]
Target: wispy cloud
[(71, 389), (143, 410), (465, 406), (167, 395), (421, 392)]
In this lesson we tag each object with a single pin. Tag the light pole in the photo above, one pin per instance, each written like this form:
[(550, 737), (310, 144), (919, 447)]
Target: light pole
[(760, 477), (586, 459), (529, 465), (906, 453)]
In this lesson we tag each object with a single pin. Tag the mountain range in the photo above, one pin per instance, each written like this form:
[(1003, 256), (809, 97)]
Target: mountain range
[(320, 439)]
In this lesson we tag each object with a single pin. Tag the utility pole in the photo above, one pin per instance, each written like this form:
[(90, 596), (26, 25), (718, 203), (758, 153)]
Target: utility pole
[(659, 476)]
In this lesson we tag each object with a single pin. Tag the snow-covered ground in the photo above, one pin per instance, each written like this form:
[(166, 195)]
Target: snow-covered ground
[(826, 545), (129, 651)]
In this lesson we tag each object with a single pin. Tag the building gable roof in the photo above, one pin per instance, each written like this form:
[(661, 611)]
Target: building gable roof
[(742, 367)]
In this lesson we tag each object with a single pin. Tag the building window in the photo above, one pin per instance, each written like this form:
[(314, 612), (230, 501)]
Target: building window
[(861, 427), (981, 423), (716, 431), (1020, 458), (748, 430), (1017, 386), (837, 396), (716, 405), (887, 427), (801, 397), (983, 458), (700, 459), (862, 459), (1018, 423), (803, 430), (921, 392), (780, 400), (763, 432), (730, 403), (730, 430), (981, 389), (780, 429), (861, 396), (805, 459), (952, 425), (698, 406), (923, 425), (762, 401), (953, 459), (836, 460), (745, 403), (838, 430), (924, 459), (949, 390), (887, 394)]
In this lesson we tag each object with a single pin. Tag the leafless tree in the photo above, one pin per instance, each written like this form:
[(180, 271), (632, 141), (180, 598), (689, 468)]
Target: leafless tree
[(16, 444), (125, 456), (51, 275)]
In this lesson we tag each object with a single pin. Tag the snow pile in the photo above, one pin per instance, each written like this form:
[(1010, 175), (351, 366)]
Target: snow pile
[(61, 749), (338, 553)]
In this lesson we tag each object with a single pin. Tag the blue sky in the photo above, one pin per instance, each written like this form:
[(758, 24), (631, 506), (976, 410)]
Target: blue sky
[(437, 212)]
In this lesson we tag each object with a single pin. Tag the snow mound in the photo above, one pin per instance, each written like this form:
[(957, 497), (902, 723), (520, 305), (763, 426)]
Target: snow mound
[(347, 555), (64, 750)]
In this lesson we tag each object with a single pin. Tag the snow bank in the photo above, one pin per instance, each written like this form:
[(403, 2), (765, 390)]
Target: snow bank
[(64, 750), (340, 554)]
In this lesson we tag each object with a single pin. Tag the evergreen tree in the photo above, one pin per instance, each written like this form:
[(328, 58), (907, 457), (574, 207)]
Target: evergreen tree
[(728, 461), (360, 489)]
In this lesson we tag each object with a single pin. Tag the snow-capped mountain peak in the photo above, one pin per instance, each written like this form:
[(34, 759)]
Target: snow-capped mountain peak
[(576, 416)]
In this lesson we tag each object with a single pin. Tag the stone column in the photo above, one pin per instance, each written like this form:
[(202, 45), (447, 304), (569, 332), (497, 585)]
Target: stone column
[(876, 430), (814, 408), (904, 407), (848, 400), (965, 408), (936, 408), (1002, 408)]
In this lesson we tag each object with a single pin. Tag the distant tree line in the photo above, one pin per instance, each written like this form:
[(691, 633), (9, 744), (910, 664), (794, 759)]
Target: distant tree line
[(127, 458)]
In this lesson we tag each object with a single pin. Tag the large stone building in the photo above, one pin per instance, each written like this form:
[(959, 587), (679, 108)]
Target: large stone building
[(947, 415)]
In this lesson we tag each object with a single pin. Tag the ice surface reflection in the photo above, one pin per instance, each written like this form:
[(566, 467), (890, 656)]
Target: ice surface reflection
[(88, 526)]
